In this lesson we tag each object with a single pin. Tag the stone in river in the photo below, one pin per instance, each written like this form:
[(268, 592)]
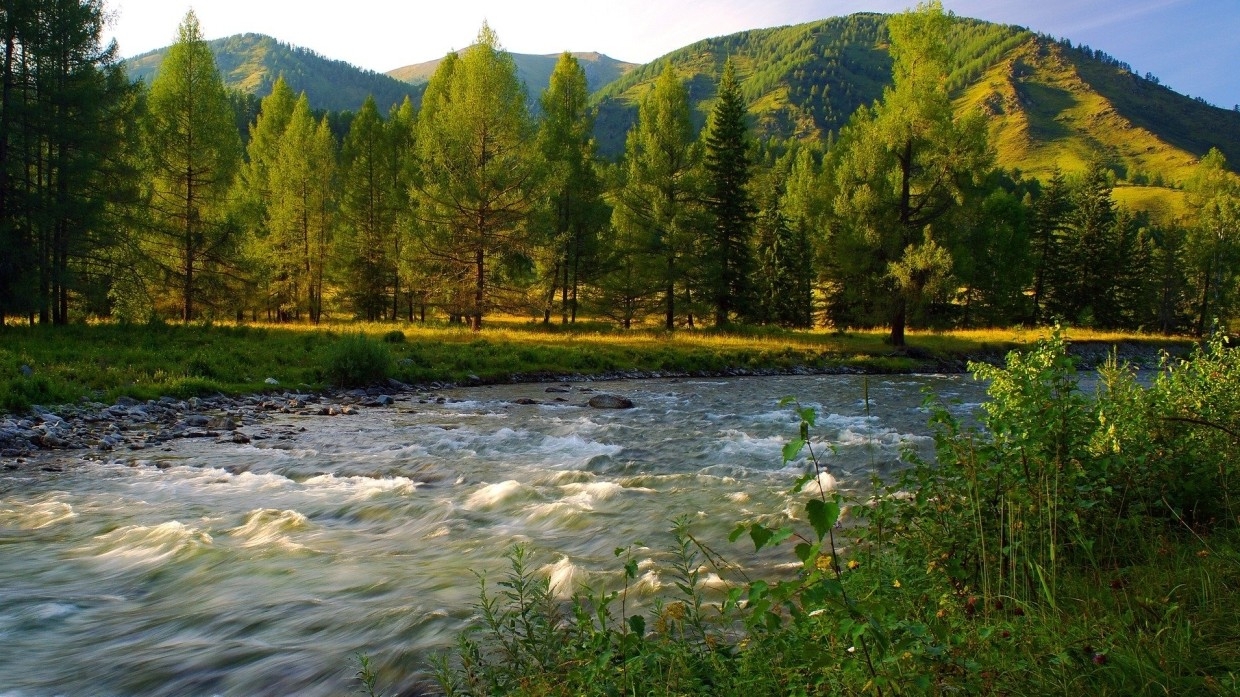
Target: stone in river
[(610, 401)]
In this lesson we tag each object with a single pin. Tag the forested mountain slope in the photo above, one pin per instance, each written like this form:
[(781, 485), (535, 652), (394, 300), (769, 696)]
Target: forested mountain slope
[(1052, 104), (251, 63)]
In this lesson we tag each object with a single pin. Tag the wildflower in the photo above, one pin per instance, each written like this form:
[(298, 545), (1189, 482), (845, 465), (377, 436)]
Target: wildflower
[(1100, 659), (823, 562), (853, 564), (895, 583), (1203, 553)]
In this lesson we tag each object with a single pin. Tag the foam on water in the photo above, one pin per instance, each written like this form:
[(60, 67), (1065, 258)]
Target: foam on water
[(142, 544), (494, 495), (360, 488), (269, 526), (565, 578), (35, 516)]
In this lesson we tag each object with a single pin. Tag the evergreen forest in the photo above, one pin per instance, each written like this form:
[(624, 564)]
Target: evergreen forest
[(721, 185)]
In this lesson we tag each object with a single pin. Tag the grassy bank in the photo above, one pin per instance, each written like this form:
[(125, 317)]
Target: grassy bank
[(106, 361), (1076, 544)]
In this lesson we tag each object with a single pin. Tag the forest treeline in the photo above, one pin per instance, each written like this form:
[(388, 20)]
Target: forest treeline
[(179, 200)]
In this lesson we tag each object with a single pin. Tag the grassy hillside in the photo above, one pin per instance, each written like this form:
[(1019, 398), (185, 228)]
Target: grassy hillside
[(252, 63), (1051, 105)]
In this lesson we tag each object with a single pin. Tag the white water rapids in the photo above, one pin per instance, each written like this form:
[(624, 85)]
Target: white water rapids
[(263, 569)]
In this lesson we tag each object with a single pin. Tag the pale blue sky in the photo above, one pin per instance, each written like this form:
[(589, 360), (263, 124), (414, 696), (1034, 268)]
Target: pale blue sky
[(1191, 45)]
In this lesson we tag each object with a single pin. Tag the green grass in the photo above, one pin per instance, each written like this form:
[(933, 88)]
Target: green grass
[(105, 361)]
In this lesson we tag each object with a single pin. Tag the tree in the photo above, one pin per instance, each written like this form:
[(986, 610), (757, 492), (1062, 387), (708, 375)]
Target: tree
[(368, 208), (1214, 241), (577, 211), (254, 195), (728, 173), (194, 151), (1046, 241), (301, 212), (904, 161), (479, 175), (65, 107), (659, 198)]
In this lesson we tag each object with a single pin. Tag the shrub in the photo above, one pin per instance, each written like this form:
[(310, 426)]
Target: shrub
[(395, 336), (356, 361)]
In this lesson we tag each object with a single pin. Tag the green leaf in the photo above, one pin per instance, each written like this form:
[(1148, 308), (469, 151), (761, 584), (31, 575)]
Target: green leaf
[(637, 623), (736, 532), (822, 515), (760, 535), (781, 535), (805, 552), (792, 449)]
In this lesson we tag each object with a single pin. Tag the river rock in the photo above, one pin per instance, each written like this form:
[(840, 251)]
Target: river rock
[(524, 401), (558, 390), (26, 371), (610, 401)]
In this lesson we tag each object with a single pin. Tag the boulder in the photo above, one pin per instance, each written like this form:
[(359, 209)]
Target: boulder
[(610, 401), (526, 401)]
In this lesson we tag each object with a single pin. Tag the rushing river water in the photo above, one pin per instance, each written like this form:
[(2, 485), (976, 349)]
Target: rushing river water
[(262, 569)]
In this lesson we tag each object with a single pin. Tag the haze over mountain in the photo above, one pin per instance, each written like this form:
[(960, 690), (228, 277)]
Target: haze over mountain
[(533, 70), (1052, 104), (252, 62)]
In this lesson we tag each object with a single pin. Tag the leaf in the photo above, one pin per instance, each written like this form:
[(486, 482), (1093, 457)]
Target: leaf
[(637, 623), (809, 415), (805, 552), (736, 532), (630, 569), (781, 535), (822, 515), (792, 449), (760, 535)]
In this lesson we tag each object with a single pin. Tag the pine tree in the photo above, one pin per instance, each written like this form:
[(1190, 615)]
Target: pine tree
[(194, 150), (728, 174), (1047, 246)]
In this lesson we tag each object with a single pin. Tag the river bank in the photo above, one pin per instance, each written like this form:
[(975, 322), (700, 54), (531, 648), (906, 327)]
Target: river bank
[(133, 424)]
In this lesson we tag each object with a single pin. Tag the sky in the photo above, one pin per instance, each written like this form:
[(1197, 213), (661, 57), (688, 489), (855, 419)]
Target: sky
[(1190, 45)]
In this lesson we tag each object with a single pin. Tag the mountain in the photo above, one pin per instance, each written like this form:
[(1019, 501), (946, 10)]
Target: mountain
[(252, 62), (533, 70), (1052, 104)]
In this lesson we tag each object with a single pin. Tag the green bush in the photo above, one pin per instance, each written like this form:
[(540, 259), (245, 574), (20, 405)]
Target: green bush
[(356, 361), (395, 336)]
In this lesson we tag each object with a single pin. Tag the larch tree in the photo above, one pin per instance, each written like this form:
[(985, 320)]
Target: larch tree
[(479, 172), (194, 151), (906, 159), (1213, 244), (729, 169), (369, 204), (576, 211), (661, 197), (254, 197), (300, 212)]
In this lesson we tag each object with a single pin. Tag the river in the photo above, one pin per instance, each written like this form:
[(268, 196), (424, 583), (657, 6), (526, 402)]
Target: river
[(264, 568)]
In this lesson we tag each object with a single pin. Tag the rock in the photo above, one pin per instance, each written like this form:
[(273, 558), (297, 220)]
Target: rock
[(524, 401), (127, 401), (197, 420), (380, 401), (557, 390), (610, 401), (26, 371), (272, 381), (222, 423)]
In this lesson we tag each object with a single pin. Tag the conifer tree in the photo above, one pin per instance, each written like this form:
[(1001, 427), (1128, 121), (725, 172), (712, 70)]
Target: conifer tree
[(368, 209), (194, 150), (660, 197), (576, 207), (479, 174), (1213, 244), (728, 251), (905, 161)]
